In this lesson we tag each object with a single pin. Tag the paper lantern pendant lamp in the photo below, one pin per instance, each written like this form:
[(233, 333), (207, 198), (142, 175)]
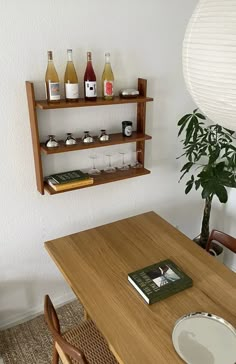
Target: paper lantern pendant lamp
[(209, 60)]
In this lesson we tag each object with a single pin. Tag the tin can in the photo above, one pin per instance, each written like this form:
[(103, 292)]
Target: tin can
[(127, 128)]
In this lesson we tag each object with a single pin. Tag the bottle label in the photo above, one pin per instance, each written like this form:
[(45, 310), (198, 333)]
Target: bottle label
[(54, 90), (90, 88), (127, 128), (108, 88), (72, 90)]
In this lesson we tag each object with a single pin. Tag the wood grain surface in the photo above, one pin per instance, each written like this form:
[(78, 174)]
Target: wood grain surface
[(96, 263)]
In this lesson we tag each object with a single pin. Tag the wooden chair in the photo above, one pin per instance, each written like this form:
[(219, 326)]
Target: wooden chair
[(83, 344), (224, 239)]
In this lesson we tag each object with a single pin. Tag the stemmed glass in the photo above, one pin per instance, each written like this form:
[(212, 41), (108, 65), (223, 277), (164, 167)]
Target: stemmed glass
[(136, 163), (124, 166), (109, 168), (93, 170)]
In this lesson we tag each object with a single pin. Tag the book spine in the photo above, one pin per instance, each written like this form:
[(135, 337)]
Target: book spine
[(139, 290), (67, 186)]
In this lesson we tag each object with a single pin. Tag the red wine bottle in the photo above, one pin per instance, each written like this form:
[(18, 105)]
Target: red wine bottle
[(90, 84)]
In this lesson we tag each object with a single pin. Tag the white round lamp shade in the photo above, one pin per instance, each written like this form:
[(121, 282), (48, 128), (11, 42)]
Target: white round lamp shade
[(209, 60)]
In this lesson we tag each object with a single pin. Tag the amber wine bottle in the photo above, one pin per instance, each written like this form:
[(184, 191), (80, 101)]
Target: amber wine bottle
[(90, 84), (71, 79), (52, 84), (107, 79)]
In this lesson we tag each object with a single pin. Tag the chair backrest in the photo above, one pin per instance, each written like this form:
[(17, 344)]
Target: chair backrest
[(224, 239), (64, 348)]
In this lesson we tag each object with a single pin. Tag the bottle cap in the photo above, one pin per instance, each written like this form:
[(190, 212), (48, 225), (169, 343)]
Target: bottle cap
[(89, 56), (49, 54)]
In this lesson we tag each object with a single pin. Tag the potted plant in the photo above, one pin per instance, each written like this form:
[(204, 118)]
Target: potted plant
[(211, 157)]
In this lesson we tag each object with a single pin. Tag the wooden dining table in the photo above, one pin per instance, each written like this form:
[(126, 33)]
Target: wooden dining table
[(96, 263)]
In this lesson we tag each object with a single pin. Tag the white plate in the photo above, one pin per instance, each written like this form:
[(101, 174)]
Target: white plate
[(204, 338)]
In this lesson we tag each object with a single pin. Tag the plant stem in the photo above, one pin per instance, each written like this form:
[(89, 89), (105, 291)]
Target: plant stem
[(205, 222)]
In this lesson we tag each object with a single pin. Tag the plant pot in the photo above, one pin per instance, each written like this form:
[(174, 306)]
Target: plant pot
[(216, 249)]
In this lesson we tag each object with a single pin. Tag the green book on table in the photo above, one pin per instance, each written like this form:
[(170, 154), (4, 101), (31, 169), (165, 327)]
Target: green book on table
[(69, 176), (160, 280)]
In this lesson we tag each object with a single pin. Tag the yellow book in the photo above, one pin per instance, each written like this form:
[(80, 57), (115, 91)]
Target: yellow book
[(69, 185)]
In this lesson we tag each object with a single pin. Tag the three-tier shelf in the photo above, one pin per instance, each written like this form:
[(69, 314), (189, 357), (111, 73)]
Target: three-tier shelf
[(139, 137)]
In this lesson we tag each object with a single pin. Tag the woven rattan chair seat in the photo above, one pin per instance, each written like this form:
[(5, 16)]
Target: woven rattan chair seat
[(87, 338)]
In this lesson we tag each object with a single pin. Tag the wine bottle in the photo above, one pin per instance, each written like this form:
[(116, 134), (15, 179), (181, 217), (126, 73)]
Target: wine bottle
[(90, 84), (107, 79), (71, 79), (52, 84)]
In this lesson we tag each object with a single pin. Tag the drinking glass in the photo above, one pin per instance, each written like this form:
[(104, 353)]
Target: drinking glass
[(124, 166), (136, 163), (109, 168), (93, 170)]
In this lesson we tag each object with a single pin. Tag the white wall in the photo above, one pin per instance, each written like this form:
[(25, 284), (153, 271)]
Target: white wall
[(144, 39)]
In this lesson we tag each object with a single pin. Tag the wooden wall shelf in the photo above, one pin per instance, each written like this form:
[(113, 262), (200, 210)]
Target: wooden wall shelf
[(114, 139), (139, 137), (63, 104)]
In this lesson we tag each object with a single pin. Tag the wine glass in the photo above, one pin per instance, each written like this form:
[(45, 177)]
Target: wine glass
[(109, 168), (136, 163), (93, 170), (124, 166)]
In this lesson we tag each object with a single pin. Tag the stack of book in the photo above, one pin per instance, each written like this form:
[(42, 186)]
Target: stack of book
[(68, 180), (160, 280)]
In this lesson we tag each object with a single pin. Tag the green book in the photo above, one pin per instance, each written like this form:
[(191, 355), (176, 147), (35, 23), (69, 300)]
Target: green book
[(69, 176), (160, 280)]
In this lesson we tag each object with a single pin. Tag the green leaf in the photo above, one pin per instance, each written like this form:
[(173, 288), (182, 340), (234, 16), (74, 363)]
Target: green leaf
[(231, 132), (183, 174), (188, 188), (209, 185), (180, 156), (200, 116), (189, 129), (184, 119), (182, 128), (197, 184), (190, 181), (214, 155), (188, 117), (221, 193), (220, 167), (186, 167)]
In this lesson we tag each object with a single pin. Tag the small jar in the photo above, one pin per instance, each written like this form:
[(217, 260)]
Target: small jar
[(103, 137), (127, 128), (87, 138), (70, 140), (51, 142)]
